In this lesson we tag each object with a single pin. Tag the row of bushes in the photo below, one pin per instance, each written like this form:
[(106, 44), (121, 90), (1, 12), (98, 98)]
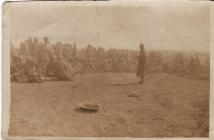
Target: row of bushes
[(34, 60)]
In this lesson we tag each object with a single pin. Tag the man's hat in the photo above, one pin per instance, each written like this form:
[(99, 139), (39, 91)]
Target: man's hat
[(141, 46)]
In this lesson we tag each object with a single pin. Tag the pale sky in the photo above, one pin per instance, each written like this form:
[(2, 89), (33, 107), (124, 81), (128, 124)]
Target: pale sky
[(166, 26)]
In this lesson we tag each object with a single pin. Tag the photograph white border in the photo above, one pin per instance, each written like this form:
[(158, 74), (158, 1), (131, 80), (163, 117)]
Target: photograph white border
[(6, 68)]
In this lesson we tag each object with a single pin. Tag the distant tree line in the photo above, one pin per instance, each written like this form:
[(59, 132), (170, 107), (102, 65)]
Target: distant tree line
[(36, 61)]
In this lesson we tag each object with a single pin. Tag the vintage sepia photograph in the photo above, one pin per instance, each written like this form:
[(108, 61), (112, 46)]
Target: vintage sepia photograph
[(106, 69)]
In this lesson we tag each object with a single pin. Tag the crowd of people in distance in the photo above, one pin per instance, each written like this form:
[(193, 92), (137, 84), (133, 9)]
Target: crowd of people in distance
[(37, 61)]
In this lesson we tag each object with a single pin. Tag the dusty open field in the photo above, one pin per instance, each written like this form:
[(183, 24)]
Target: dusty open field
[(167, 106)]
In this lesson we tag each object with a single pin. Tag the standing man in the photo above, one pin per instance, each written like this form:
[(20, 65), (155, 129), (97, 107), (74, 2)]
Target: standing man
[(141, 64)]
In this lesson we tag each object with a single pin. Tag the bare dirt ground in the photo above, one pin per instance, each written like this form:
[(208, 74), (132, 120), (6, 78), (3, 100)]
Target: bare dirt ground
[(166, 106)]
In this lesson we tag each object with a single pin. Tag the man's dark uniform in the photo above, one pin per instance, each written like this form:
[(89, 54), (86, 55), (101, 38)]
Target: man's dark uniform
[(141, 64)]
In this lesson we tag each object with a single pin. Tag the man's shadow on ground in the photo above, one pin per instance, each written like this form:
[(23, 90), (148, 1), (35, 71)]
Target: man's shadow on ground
[(78, 110), (124, 84)]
